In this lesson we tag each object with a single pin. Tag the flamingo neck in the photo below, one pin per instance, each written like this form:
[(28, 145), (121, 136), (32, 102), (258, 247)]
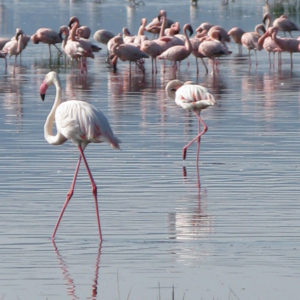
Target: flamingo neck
[(142, 28), (188, 43), (48, 134), (162, 27)]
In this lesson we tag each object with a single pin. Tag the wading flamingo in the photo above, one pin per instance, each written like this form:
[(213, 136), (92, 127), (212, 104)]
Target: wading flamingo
[(250, 40), (48, 36), (179, 52), (13, 47), (290, 45), (191, 97), (283, 23), (236, 34), (81, 123)]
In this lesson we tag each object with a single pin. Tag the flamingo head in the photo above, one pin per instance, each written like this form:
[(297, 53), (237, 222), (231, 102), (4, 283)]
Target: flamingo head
[(72, 21), (172, 87), (189, 28), (50, 79)]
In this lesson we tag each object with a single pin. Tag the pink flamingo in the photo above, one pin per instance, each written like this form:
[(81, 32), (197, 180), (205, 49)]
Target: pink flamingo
[(269, 44), (48, 36), (236, 34), (283, 23), (155, 47), (82, 31), (81, 123), (250, 40), (195, 46), (155, 24), (212, 48), (103, 36), (192, 97), (140, 37), (203, 29), (127, 52), (179, 52), (13, 47), (78, 49), (290, 45), (218, 32)]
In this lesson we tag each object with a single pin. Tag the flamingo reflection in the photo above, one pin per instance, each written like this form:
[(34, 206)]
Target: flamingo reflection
[(71, 288), (192, 224)]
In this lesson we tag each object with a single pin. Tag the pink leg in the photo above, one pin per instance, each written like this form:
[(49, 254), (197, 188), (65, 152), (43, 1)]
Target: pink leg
[(197, 138), (69, 196), (94, 188)]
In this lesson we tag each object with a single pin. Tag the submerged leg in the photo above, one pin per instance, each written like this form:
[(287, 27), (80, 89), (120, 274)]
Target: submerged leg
[(197, 138), (94, 189), (69, 196)]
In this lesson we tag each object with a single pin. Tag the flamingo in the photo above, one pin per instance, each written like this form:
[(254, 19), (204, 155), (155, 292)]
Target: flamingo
[(191, 97), (103, 36), (250, 40), (155, 47), (48, 36), (82, 31), (126, 52), (155, 24), (283, 23), (290, 45), (179, 52), (195, 46), (78, 49), (269, 44), (236, 34), (13, 47), (212, 48), (81, 123)]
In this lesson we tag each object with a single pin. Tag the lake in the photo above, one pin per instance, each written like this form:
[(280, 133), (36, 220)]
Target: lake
[(227, 228)]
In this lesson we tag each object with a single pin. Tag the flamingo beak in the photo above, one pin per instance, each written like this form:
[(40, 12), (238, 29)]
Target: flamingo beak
[(43, 89)]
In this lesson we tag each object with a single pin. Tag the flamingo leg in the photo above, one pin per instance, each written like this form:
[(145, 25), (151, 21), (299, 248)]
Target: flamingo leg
[(94, 189), (68, 198), (197, 138)]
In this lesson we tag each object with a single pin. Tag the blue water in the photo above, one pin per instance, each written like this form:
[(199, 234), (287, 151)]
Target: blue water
[(225, 229)]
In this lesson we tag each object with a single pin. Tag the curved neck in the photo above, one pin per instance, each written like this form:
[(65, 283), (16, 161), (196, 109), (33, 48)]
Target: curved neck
[(162, 27), (188, 44), (50, 138), (142, 27)]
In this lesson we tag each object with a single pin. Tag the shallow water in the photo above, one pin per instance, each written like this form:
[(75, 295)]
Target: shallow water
[(227, 229)]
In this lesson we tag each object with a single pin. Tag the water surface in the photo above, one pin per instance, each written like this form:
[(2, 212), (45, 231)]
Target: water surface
[(227, 229)]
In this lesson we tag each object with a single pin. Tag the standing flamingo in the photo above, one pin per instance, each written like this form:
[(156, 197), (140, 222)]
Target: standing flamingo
[(191, 97), (269, 45), (179, 52), (127, 52), (290, 45), (13, 47), (236, 34), (250, 40), (81, 123), (82, 31), (283, 23), (48, 36)]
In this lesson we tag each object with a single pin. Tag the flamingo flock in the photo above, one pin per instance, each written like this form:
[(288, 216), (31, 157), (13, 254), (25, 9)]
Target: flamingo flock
[(160, 40)]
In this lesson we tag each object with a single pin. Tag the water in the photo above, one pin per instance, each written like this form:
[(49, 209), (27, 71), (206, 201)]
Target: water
[(227, 229)]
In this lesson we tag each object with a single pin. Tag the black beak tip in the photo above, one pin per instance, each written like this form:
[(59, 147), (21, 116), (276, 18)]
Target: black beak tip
[(43, 97)]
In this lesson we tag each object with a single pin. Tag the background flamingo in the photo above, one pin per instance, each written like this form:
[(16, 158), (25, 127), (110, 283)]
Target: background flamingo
[(81, 123), (179, 52), (48, 36)]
